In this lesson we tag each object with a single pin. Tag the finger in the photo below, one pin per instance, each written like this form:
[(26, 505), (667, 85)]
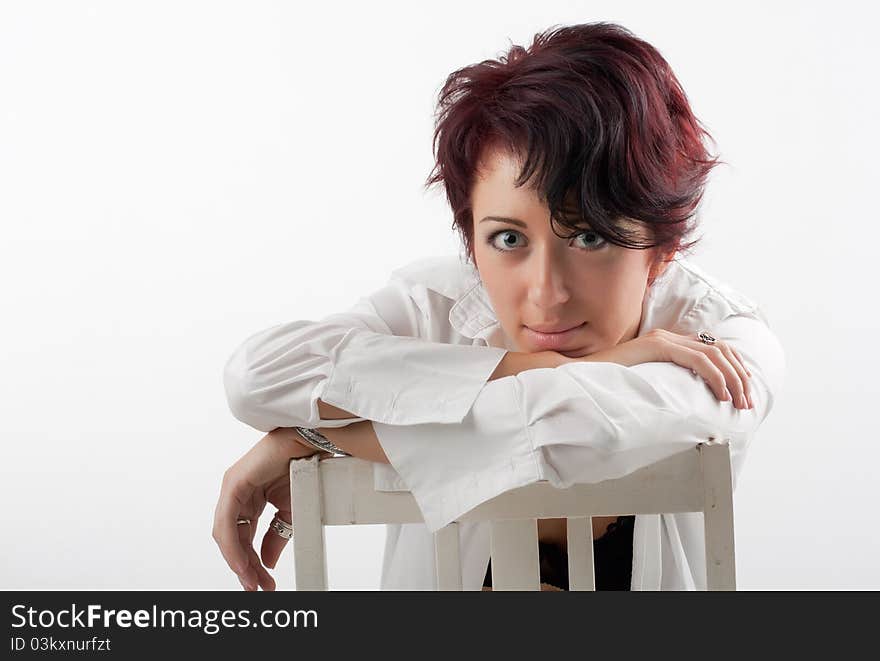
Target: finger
[(741, 361), (250, 576), (731, 376), (748, 372), (257, 574), (700, 363), (226, 532), (273, 543), (727, 350)]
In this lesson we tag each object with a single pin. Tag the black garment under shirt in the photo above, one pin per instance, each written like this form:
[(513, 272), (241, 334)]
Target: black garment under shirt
[(612, 555)]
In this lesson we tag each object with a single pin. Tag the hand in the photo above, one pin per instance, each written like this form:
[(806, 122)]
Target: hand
[(260, 476), (719, 364)]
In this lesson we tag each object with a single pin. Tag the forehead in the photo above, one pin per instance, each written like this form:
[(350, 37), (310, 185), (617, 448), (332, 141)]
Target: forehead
[(495, 192)]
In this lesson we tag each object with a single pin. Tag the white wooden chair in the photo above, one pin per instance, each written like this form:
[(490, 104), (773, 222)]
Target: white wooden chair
[(339, 491)]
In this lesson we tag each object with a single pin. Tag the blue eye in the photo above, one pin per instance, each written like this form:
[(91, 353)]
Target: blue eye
[(494, 245), (596, 242)]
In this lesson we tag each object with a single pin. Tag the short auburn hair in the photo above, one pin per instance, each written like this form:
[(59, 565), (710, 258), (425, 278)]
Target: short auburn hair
[(601, 125)]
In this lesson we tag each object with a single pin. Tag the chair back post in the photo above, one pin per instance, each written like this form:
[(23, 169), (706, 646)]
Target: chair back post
[(718, 515), (309, 549)]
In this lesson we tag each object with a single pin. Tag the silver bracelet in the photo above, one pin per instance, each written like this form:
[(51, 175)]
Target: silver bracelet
[(319, 441)]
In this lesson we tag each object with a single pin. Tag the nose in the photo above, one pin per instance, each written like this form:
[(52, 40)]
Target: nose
[(547, 289)]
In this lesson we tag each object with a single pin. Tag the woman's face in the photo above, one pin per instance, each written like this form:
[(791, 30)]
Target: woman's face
[(537, 280)]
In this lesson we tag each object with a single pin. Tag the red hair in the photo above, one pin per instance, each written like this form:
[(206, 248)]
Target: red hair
[(600, 123)]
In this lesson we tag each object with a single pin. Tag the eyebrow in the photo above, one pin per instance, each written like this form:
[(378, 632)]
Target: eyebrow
[(504, 219), (515, 221)]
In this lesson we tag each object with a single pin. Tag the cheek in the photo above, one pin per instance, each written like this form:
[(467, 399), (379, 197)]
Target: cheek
[(628, 291), (629, 275), (501, 293), (618, 303)]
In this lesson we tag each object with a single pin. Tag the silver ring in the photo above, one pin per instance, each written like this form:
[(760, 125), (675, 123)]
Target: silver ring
[(281, 528), (705, 338), (240, 521)]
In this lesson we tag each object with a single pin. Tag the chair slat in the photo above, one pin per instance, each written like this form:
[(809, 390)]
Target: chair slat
[(673, 484), (514, 550), (447, 557), (581, 564)]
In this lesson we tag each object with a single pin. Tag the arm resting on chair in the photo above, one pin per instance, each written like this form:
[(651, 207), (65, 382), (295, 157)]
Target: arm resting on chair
[(330, 412), (512, 363), (358, 439)]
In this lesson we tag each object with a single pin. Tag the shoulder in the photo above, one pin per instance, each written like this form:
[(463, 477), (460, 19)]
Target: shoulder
[(451, 276), (687, 295), (715, 287), (705, 302)]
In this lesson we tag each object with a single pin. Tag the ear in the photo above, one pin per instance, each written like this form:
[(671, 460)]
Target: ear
[(661, 263), (472, 257)]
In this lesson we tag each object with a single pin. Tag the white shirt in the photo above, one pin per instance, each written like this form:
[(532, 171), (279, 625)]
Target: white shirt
[(415, 357)]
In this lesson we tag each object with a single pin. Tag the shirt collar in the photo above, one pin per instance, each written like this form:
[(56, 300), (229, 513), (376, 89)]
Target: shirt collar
[(472, 314)]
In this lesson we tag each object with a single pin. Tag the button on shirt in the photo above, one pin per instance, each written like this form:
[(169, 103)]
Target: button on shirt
[(415, 357)]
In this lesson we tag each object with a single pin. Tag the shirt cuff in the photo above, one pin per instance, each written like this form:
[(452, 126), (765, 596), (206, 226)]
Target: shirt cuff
[(452, 468), (414, 381)]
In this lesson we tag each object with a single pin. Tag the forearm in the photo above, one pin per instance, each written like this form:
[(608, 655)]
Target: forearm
[(511, 364), (626, 354), (515, 362), (330, 412), (358, 439)]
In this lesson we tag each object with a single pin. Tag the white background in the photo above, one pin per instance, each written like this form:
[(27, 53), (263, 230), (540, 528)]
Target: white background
[(175, 176)]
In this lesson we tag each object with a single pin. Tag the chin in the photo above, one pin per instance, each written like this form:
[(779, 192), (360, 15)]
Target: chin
[(577, 353)]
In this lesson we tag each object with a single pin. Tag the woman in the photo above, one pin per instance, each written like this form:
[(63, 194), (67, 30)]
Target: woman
[(569, 356)]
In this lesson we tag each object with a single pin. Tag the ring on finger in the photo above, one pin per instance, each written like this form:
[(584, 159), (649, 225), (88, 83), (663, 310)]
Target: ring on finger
[(705, 337), (281, 528)]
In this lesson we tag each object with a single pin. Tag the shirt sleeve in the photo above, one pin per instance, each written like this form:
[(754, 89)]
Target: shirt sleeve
[(582, 422), (372, 360)]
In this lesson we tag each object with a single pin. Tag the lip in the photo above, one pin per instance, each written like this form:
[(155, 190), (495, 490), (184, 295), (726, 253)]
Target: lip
[(554, 341)]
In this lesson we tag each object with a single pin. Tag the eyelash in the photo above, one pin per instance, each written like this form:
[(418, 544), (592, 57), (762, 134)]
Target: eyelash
[(491, 240)]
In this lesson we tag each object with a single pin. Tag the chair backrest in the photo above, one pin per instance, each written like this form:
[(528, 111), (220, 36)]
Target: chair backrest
[(339, 491)]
